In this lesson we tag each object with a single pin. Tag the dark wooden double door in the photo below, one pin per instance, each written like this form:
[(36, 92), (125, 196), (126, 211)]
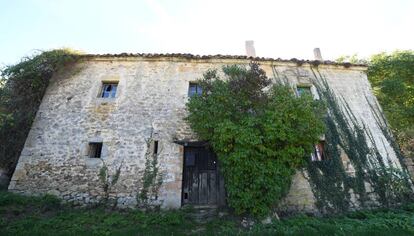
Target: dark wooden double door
[(203, 185)]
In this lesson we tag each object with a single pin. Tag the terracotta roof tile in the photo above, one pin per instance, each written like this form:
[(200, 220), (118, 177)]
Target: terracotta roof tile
[(219, 56)]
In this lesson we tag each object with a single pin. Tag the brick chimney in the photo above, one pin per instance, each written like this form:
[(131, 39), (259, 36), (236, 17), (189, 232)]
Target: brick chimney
[(250, 51), (317, 54)]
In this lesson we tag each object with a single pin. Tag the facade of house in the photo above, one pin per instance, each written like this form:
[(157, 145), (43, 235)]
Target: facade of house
[(112, 127)]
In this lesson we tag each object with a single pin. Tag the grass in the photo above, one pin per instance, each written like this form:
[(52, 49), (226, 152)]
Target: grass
[(20, 215)]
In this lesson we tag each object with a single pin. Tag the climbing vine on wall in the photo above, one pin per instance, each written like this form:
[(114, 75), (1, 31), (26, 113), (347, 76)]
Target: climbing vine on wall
[(108, 181), (151, 179), (375, 179), (21, 90)]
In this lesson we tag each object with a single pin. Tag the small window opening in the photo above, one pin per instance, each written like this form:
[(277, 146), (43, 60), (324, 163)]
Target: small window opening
[(300, 90), (95, 150), (109, 90), (155, 147), (318, 152), (194, 89)]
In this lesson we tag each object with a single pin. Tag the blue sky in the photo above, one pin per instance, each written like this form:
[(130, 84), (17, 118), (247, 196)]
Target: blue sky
[(283, 29)]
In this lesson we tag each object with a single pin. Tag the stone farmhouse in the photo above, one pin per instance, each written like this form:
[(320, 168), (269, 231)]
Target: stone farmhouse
[(111, 127)]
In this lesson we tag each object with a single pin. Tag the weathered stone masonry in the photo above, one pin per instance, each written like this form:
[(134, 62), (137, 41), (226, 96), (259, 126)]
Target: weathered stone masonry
[(150, 102)]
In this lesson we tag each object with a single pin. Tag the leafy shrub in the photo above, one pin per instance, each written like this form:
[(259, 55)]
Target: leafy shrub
[(261, 133)]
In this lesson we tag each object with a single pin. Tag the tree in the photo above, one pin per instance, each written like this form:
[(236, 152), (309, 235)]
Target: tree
[(22, 87), (261, 133), (351, 59), (392, 78)]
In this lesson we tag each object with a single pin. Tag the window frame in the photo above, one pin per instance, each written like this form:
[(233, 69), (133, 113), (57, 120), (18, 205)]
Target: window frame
[(111, 94), (198, 89), (156, 146), (95, 149), (318, 153), (305, 87)]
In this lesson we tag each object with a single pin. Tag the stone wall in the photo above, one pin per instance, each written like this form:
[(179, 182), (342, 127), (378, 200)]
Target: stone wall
[(150, 102)]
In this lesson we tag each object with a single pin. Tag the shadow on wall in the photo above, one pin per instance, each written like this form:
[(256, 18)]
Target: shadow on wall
[(4, 179)]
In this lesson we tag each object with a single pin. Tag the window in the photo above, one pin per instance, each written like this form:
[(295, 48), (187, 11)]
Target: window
[(95, 150), (318, 152), (109, 90), (155, 147), (194, 89), (303, 90)]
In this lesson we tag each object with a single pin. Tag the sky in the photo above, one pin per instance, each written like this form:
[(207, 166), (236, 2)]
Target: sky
[(280, 29)]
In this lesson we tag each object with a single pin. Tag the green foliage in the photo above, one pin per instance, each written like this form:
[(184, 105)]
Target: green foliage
[(108, 181), (393, 183), (260, 132), (392, 78), (151, 179), (21, 215), (380, 222), (103, 173), (19, 202), (332, 186), (21, 91), (354, 59)]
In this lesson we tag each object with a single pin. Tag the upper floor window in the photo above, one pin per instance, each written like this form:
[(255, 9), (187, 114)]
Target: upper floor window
[(300, 90), (318, 152), (194, 89), (109, 89)]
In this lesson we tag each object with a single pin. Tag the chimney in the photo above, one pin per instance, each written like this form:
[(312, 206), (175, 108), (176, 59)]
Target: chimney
[(250, 51), (317, 54)]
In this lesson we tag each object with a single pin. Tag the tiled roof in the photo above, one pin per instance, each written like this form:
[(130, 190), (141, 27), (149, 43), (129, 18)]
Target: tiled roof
[(218, 56)]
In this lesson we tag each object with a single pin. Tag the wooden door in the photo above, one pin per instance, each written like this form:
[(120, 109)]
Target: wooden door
[(202, 182)]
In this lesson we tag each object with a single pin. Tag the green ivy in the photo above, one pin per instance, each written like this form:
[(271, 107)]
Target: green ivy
[(332, 186), (260, 133), (108, 181), (151, 179), (21, 91), (391, 76)]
